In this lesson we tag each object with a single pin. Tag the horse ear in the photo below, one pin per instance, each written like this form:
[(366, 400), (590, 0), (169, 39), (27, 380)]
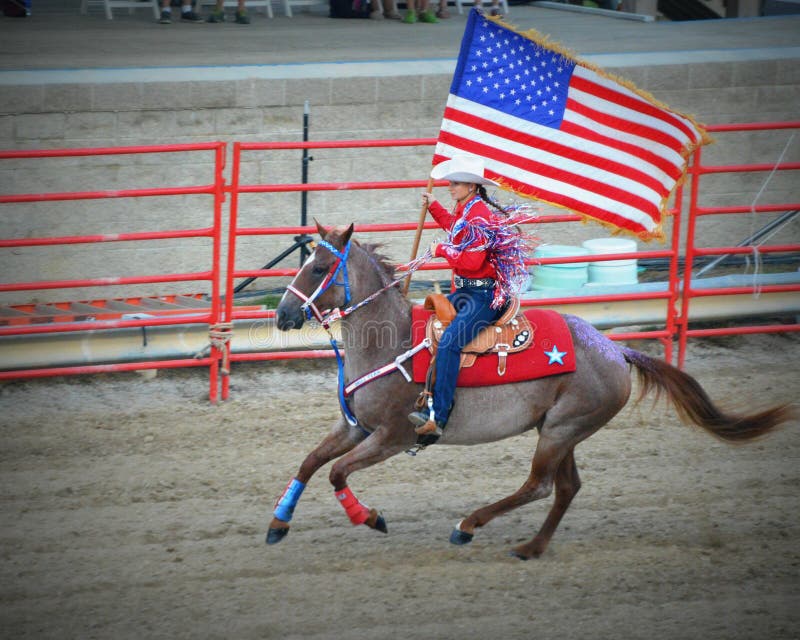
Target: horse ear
[(322, 231), (346, 235)]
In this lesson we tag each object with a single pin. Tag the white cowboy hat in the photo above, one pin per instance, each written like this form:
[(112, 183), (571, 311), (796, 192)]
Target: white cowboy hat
[(462, 169)]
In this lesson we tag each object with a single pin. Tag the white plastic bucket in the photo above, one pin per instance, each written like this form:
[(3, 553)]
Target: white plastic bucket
[(571, 275), (611, 272)]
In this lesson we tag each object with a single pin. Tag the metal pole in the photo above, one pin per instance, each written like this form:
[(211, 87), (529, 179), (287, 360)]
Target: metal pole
[(758, 234), (304, 253)]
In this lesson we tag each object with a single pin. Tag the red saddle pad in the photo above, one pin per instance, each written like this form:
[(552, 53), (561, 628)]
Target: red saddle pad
[(550, 353)]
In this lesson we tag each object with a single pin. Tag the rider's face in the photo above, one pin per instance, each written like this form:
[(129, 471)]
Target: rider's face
[(460, 191)]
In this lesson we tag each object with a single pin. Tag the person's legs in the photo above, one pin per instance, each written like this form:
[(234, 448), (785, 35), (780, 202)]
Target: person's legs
[(473, 313), (411, 12), (187, 13), (390, 10), (218, 14), (241, 13), (424, 14), (166, 12)]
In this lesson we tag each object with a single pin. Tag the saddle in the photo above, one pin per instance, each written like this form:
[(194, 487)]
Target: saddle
[(510, 333)]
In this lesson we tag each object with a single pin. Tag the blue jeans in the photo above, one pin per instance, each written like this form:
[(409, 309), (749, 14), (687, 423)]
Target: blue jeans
[(473, 313)]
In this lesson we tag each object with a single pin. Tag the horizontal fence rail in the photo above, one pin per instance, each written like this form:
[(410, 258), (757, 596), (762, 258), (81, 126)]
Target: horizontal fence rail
[(219, 317)]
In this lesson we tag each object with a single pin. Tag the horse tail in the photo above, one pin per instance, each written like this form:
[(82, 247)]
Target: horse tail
[(693, 404)]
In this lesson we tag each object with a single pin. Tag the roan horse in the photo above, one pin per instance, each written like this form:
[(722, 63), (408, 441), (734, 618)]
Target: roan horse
[(565, 409)]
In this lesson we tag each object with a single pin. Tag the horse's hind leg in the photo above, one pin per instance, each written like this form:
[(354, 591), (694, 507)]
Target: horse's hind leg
[(549, 456), (337, 443), (568, 483)]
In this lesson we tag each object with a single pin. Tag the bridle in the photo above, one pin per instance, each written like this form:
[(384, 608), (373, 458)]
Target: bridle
[(330, 316), (340, 266)]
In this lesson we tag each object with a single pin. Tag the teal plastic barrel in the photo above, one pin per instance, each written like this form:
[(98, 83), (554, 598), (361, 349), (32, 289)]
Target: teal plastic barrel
[(611, 272), (572, 275)]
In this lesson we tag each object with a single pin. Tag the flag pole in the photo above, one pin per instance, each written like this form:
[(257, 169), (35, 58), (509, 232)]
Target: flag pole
[(423, 212)]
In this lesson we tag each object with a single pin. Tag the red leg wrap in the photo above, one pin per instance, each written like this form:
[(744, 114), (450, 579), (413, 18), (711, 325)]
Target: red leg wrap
[(356, 511)]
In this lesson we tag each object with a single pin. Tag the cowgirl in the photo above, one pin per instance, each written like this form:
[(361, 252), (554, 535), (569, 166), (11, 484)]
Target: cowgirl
[(479, 298)]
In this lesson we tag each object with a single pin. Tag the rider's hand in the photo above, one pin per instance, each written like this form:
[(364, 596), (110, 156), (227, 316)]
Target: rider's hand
[(427, 198), (432, 248)]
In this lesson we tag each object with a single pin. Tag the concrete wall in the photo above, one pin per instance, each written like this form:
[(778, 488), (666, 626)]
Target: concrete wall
[(399, 100)]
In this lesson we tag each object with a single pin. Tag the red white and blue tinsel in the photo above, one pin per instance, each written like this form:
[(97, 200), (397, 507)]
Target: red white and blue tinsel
[(505, 244)]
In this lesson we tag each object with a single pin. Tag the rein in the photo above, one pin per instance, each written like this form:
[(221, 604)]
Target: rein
[(327, 318)]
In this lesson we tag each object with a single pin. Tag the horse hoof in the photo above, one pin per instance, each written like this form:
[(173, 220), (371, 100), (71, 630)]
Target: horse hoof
[(460, 537), (518, 555), (376, 521), (274, 536)]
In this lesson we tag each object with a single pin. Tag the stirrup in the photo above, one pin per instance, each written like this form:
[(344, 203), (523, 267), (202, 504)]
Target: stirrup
[(431, 427)]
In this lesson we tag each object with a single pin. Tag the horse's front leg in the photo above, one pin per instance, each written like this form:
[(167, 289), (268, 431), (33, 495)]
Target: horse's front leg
[(338, 442), (376, 448)]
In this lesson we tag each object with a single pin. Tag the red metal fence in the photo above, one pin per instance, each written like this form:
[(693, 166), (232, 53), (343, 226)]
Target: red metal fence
[(696, 211), (222, 315), (208, 317)]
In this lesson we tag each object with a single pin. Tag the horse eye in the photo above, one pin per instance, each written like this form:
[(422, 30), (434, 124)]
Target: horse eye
[(319, 271)]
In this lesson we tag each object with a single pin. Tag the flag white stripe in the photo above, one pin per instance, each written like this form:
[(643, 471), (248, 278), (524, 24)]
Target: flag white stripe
[(612, 85), (557, 161), (569, 140), (618, 111), (556, 186), (669, 155)]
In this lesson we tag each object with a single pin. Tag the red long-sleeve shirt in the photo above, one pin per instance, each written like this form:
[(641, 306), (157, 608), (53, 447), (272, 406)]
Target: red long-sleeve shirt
[(467, 264)]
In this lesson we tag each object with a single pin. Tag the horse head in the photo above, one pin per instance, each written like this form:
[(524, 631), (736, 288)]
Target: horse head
[(321, 283)]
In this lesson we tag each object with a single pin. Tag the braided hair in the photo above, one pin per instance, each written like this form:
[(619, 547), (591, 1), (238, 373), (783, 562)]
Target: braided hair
[(492, 203)]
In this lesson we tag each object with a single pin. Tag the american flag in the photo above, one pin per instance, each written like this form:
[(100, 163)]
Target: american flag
[(553, 128)]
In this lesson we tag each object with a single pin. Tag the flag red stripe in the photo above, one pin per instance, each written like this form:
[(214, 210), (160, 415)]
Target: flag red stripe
[(548, 171), (651, 157), (575, 204), (629, 102), (629, 126), (558, 149)]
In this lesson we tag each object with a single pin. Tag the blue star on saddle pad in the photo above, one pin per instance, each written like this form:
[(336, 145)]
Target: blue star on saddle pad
[(555, 355)]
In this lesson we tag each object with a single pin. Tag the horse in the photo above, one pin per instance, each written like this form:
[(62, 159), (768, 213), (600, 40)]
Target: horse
[(565, 409)]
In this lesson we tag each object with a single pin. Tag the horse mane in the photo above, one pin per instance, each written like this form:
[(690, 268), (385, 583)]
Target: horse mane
[(385, 265)]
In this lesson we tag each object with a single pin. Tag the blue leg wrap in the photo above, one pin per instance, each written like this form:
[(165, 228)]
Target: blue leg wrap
[(285, 505)]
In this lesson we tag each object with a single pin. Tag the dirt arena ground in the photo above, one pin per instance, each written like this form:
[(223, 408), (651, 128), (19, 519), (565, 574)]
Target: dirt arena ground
[(131, 508)]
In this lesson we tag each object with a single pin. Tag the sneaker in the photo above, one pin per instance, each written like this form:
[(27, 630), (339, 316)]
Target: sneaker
[(242, 18), (410, 18), (428, 17), (190, 16), (216, 16), (166, 17)]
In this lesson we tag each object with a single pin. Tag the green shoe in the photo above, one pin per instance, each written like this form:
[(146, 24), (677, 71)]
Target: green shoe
[(410, 18), (427, 16), (216, 16), (242, 18)]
